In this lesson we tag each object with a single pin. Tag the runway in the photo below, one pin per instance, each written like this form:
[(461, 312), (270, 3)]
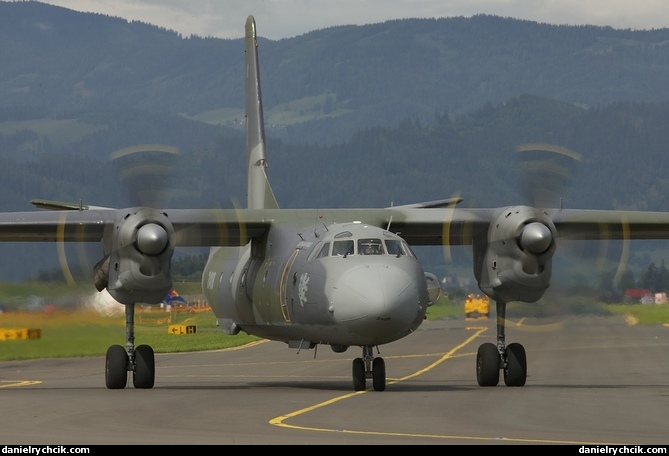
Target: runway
[(591, 381)]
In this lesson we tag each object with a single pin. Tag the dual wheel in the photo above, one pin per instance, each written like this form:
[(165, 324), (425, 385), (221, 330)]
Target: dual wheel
[(488, 363), (378, 374), (117, 365)]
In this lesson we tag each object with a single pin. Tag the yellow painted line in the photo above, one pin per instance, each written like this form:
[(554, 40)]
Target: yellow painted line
[(218, 350), (281, 420), (533, 328), (15, 383), (631, 319)]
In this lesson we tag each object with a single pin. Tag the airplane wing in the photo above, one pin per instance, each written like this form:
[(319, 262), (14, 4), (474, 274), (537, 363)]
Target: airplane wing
[(583, 224), (51, 226), (193, 227), (417, 225), (459, 226)]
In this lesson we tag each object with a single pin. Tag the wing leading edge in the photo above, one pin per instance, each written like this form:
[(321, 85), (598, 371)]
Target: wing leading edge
[(418, 226)]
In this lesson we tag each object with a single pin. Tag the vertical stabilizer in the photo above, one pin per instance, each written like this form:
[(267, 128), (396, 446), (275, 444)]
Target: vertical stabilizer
[(258, 191)]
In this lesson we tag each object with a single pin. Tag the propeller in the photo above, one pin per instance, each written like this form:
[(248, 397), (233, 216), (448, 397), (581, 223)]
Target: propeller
[(147, 174), (545, 170), (513, 257)]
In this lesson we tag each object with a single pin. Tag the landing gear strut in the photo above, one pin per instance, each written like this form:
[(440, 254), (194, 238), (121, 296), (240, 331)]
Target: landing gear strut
[(369, 367), (511, 359), (140, 361)]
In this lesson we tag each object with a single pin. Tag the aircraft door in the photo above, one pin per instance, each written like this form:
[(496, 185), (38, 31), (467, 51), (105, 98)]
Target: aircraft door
[(287, 282)]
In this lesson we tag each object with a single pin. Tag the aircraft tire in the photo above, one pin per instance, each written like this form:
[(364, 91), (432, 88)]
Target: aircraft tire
[(145, 367), (487, 365), (116, 367), (515, 372), (359, 375), (379, 374)]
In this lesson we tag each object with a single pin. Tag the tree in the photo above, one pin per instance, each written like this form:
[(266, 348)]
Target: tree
[(649, 277), (662, 279), (655, 279)]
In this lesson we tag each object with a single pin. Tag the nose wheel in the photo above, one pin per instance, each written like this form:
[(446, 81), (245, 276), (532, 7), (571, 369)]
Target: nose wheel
[(369, 367)]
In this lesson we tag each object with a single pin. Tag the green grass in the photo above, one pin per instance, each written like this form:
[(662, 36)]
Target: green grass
[(60, 132), (446, 308), (70, 326), (65, 334), (296, 111), (650, 314), (645, 314)]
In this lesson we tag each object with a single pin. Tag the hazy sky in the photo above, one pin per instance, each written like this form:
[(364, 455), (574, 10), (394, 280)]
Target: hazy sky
[(278, 19)]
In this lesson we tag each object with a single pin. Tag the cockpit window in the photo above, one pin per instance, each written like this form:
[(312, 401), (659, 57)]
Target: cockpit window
[(344, 245), (341, 248), (370, 246), (324, 250), (395, 247), (398, 248)]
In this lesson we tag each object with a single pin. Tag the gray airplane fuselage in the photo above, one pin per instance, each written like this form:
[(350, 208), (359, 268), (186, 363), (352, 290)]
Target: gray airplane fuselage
[(342, 284)]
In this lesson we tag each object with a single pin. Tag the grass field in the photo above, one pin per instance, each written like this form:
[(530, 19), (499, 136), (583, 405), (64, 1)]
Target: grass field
[(78, 321), (638, 313), (74, 331), (87, 333)]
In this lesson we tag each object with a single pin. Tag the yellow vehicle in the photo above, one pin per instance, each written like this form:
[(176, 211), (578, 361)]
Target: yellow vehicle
[(477, 306)]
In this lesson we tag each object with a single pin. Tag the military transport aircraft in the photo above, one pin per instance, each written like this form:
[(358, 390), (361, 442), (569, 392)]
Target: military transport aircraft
[(308, 277)]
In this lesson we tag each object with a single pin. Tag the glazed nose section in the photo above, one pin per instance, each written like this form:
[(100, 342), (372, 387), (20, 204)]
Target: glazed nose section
[(377, 301)]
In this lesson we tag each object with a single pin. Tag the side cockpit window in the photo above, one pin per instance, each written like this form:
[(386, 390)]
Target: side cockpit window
[(398, 248), (395, 247), (325, 250)]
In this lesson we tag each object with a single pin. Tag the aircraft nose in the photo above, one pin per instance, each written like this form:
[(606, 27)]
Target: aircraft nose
[(381, 302)]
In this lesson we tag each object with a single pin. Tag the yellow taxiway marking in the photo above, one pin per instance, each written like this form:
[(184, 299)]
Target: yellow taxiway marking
[(14, 383), (17, 383), (533, 328), (281, 420)]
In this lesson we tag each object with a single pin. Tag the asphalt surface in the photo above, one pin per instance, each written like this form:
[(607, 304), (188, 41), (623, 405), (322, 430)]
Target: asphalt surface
[(591, 381)]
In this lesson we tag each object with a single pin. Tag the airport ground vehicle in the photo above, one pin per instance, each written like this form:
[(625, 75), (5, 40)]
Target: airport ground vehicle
[(477, 306)]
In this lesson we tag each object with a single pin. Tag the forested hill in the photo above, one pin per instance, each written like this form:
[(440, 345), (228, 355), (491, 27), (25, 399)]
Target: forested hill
[(391, 113), (325, 84), (622, 146)]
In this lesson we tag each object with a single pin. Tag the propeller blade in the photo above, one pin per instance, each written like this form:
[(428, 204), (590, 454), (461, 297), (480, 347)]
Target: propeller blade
[(147, 173), (546, 169)]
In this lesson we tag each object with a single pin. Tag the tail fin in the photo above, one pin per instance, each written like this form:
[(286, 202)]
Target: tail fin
[(258, 191)]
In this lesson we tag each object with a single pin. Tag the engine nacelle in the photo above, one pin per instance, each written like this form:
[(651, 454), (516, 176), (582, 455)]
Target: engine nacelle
[(514, 263), (138, 266)]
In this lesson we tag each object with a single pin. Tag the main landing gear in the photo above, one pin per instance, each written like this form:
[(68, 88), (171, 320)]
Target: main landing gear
[(369, 367), (140, 361), (511, 358)]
